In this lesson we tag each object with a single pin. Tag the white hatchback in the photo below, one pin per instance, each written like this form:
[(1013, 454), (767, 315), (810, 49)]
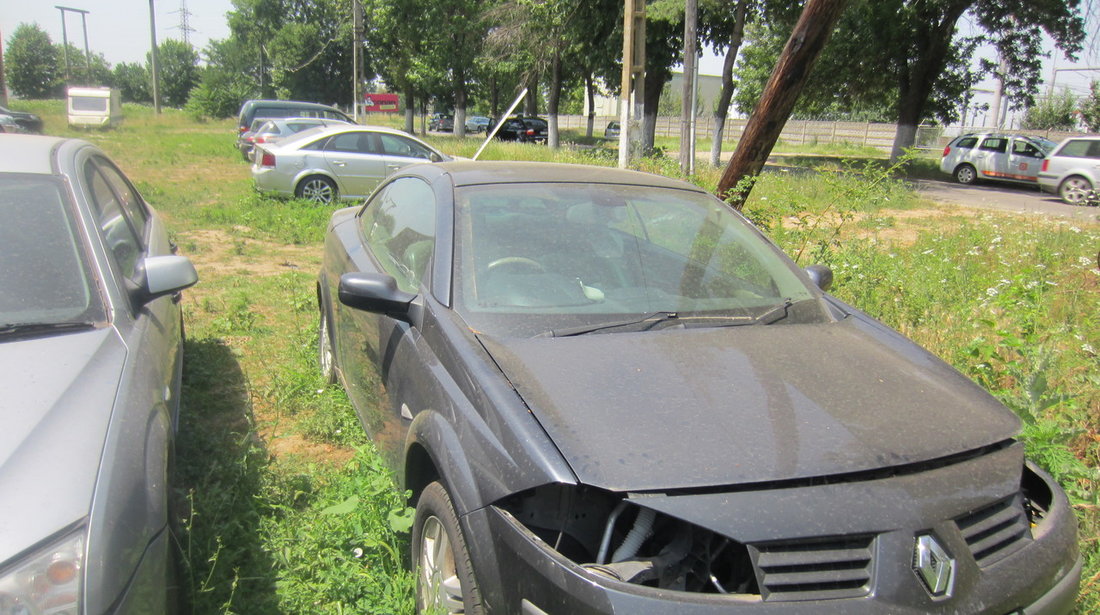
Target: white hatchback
[(1013, 158)]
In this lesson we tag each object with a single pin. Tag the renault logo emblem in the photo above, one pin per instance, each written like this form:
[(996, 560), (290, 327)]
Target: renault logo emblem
[(934, 566)]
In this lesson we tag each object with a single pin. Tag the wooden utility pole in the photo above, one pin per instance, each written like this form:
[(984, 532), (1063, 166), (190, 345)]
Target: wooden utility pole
[(632, 95), (780, 95), (687, 106)]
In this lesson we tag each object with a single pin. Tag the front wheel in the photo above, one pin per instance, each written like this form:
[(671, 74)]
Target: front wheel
[(444, 575), (966, 174), (1075, 190), (316, 188)]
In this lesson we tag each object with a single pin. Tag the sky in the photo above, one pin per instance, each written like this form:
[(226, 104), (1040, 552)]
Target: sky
[(119, 29)]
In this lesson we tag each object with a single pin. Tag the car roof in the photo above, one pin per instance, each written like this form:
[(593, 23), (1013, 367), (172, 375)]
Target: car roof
[(470, 173), (29, 153)]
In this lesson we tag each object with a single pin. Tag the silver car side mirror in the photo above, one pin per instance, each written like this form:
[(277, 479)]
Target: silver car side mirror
[(821, 276), (165, 275)]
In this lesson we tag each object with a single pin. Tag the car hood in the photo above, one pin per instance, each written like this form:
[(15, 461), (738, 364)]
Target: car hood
[(683, 408), (58, 396)]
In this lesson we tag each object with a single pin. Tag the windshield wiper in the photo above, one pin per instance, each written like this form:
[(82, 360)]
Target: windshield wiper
[(644, 324), (25, 328)]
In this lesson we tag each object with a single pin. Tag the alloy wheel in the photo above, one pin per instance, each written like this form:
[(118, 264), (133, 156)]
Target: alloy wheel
[(439, 585)]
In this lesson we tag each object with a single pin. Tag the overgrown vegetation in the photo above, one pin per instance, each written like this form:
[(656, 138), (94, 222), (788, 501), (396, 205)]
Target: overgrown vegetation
[(284, 507)]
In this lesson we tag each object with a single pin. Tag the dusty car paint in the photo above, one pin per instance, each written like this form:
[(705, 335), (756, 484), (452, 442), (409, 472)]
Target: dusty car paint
[(747, 445)]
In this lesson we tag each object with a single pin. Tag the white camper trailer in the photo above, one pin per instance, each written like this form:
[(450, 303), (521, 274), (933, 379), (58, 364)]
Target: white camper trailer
[(94, 107)]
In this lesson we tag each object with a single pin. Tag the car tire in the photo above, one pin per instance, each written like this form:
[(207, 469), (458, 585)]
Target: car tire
[(966, 174), (1074, 190), (317, 188), (326, 358), (444, 574)]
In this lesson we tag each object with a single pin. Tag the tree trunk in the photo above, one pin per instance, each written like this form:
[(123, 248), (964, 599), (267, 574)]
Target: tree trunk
[(780, 94), (494, 99), (531, 101), (459, 128), (915, 84), (654, 82), (722, 110), (410, 110), (590, 90), (552, 139)]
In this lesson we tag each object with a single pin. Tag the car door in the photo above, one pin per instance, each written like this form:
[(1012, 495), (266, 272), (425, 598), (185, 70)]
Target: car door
[(130, 509), (395, 235), (1022, 161), (356, 164), (401, 151), (990, 157)]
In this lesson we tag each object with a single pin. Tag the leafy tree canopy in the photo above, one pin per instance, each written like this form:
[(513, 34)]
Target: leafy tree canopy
[(31, 63)]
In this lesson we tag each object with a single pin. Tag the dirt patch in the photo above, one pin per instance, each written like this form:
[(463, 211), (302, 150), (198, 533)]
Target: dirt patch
[(284, 445), (221, 253)]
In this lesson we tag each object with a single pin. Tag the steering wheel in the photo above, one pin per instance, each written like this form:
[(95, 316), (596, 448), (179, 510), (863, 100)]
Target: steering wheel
[(517, 261)]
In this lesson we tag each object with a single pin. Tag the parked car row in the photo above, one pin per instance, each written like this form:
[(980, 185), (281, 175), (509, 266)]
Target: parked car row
[(1070, 169), (91, 340), (255, 113)]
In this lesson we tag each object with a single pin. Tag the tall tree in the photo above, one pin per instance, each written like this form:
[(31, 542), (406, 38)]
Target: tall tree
[(1055, 112), (1090, 108), (177, 64), (31, 62), (133, 82)]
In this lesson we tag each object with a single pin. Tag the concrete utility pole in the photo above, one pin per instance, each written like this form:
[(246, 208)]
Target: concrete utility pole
[(632, 95), (998, 90), (153, 56), (3, 79), (357, 35), (780, 94), (687, 113)]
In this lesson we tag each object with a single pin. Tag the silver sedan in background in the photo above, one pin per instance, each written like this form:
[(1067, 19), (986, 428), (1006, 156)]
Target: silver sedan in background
[(91, 346), (331, 162)]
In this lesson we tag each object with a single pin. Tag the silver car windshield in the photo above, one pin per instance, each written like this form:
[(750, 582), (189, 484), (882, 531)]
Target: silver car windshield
[(44, 277), (531, 258)]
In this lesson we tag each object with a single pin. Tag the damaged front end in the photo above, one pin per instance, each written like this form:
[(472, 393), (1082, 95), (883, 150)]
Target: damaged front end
[(613, 537), (846, 545)]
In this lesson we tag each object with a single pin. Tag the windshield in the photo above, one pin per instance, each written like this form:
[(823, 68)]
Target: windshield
[(532, 258), (44, 278)]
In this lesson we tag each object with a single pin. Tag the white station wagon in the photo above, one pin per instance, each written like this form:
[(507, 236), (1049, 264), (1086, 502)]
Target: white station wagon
[(1001, 157)]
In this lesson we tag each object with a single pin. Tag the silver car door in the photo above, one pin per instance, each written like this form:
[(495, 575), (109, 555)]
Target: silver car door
[(1023, 160), (401, 151), (354, 163), (990, 158)]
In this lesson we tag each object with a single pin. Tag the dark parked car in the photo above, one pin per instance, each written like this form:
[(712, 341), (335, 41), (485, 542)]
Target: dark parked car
[(441, 123), (608, 393), (91, 346), (523, 130), (252, 110), (29, 121)]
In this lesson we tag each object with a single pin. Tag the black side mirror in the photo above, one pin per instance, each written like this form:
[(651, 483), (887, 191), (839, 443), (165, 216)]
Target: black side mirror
[(821, 276), (377, 293)]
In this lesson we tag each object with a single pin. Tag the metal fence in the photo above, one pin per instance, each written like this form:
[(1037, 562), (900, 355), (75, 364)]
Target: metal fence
[(808, 132)]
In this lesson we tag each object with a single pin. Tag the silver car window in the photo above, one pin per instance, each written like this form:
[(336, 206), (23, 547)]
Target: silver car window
[(995, 144), (122, 241)]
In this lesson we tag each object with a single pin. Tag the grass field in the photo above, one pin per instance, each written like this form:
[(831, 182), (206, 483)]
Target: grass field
[(284, 508)]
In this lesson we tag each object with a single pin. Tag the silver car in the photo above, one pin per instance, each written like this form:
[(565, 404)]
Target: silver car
[(1073, 171), (345, 161), (91, 348), (1011, 158)]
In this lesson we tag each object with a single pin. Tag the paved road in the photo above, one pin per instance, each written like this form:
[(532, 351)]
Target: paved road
[(1020, 199)]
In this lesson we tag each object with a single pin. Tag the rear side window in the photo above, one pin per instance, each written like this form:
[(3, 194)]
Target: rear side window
[(965, 142), (995, 144), (1081, 148)]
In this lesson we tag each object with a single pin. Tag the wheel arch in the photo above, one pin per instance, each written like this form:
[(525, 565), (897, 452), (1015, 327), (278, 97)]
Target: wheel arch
[(433, 452), (314, 171)]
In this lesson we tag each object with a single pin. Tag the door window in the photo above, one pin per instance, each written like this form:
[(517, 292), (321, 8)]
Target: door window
[(995, 144), (399, 227), (124, 246), (394, 145)]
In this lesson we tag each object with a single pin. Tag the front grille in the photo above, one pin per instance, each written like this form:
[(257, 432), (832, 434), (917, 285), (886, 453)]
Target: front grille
[(996, 531), (814, 569)]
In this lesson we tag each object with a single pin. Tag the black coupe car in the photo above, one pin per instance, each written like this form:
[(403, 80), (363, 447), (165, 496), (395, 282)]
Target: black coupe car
[(609, 393)]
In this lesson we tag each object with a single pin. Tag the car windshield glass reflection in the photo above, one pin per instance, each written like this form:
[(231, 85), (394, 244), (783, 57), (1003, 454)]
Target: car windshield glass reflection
[(43, 276), (533, 258)]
